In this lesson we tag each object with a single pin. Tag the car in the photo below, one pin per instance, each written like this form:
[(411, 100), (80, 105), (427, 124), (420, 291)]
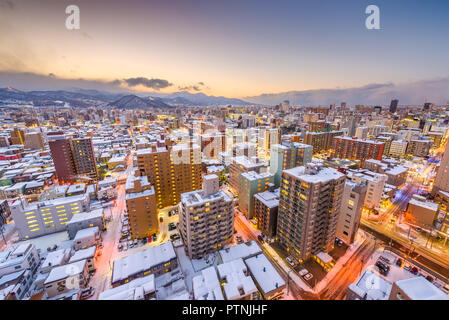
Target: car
[(429, 278), (290, 261), (161, 219), (303, 272), (383, 268), (169, 214), (260, 238), (87, 293), (100, 245), (339, 243), (308, 276), (399, 262), (414, 270), (99, 253), (235, 231), (154, 237), (120, 247)]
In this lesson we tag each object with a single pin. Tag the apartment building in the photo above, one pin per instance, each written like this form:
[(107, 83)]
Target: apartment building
[(419, 148), (84, 158), (250, 184), (141, 206), (155, 260), (286, 156), (357, 149), (442, 177), (61, 152), (45, 217), (171, 171), (240, 165), (266, 211), (375, 186), (398, 148), (351, 210), (21, 257), (309, 209), (206, 219)]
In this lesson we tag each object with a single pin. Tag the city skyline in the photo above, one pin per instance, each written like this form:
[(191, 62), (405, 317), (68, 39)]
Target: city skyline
[(237, 49)]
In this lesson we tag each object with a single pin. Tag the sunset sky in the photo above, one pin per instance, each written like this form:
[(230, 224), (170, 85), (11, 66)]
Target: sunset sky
[(232, 48)]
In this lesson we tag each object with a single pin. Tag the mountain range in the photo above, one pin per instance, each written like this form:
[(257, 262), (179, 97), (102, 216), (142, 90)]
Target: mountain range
[(85, 98)]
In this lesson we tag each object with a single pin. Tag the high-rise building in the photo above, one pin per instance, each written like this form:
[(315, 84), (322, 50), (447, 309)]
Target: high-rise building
[(394, 105), (309, 209), (250, 184), (206, 219), (61, 152), (240, 165), (84, 158), (141, 206), (351, 210), (266, 206), (172, 171), (442, 178), (286, 156)]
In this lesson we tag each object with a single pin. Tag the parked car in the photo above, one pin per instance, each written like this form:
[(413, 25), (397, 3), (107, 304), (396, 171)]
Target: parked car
[(290, 261), (87, 293), (161, 219), (399, 262), (260, 238), (414, 270), (120, 247), (429, 278), (239, 239), (308, 276)]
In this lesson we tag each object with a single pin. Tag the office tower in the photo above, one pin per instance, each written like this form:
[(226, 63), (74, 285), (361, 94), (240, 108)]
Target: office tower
[(61, 152), (141, 206), (272, 136), (286, 156), (358, 149), (206, 218), (240, 165), (250, 184), (172, 171), (442, 178), (309, 209), (351, 210), (394, 105), (84, 158), (266, 206)]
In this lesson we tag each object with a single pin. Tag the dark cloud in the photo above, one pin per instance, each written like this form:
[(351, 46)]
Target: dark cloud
[(155, 84), (196, 87), (189, 88)]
